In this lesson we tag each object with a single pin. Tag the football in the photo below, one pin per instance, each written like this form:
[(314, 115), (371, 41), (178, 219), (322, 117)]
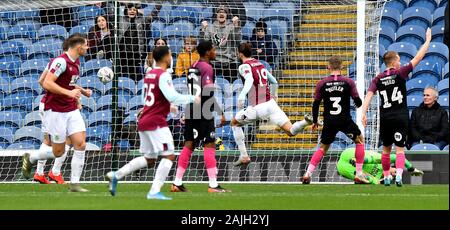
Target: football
[(105, 74)]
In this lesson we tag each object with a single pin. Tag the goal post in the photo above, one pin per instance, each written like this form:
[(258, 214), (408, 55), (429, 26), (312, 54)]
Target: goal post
[(301, 36)]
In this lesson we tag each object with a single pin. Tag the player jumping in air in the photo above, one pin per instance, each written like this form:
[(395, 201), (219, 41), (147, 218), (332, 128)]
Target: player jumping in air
[(55, 173), (372, 168), (261, 102), (394, 116), (155, 136), (336, 91), (199, 124), (61, 106)]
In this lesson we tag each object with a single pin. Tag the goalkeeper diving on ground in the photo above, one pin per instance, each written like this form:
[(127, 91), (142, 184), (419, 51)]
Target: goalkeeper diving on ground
[(372, 169)]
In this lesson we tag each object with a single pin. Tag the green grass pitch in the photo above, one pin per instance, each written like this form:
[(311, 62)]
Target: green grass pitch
[(243, 196)]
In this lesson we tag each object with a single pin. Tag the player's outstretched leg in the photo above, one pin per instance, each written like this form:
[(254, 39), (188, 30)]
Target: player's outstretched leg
[(160, 177), (55, 173), (39, 174), (239, 138), (134, 165), (28, 160), (316, 158), (293, 129), (183, 162)]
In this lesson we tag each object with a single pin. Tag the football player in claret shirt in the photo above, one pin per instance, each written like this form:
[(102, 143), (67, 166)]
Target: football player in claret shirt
[(336, 90), (155, 136), (394, 115), (261, 102)]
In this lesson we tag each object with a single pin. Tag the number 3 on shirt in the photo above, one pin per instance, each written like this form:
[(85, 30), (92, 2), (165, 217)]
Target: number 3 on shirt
[(149, 94), (336, 105), (396, 96)]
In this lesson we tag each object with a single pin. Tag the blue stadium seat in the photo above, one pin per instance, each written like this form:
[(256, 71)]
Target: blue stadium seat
[(225, 86), (136, 103), (21, 101), (414, 101), (237, 86), (225, 133), (405, 50), (254, 10), (23, 41), (22, 145), (426, 70), (164, 12), (99, 135), (429, 4), (88, 12), (33, 119), (412, 34), (13, 48), (89, 105), (92, 82), (387, 36), (425, 147), (183, 13), (36, 102), (126, 88), (27, 14), (11, 119), (437, 53), (6, 137), (443, 87), (206, 13), (26, 84), (443, 101), (10, 64), (278, 14), (100, 118), (400, 5), (89, 22), (418, 16), (443, 3), (439, 16), (53, 31), (132, 117), (92, 66), (176, 31), (35, 24), (4, 86), (82, 29), (22, 31), (247, 31), (92, 147), (7, 17), (123, 145), (416, 86), (140, 87), (176, 45), (105, 103), (446, 148), (33, 66), (31, 134), (445, 71), (45, 49), (3, 32), (437, 33)]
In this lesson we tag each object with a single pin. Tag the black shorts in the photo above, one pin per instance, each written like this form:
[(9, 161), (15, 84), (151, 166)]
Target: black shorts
[(200, 130), (393, 131), (330, 129)]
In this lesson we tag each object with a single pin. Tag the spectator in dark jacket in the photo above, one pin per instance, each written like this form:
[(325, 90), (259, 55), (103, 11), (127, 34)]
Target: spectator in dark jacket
[(100, 39), (263, 46), (132, 40), (429, 122)]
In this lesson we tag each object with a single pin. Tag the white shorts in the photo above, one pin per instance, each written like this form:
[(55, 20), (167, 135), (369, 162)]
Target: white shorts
[(42, 115), (267, 110), (62, 125), (156, 142)]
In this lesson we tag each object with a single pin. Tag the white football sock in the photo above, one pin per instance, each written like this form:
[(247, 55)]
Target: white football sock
[(77, 166), (161, 174), (45, 152), (239, 137), (298, 126), (56, 169), (40, 167), (135, 164)]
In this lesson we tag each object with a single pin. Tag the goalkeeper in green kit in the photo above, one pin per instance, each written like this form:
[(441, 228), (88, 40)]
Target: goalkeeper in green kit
[(372, 168)]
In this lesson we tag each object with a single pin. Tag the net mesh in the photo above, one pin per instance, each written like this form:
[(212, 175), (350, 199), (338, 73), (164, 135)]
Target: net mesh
[(302, 35)]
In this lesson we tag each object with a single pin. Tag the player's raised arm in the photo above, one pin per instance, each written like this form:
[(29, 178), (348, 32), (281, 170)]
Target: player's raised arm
[(58, 66), (166, 86), (421, 53)]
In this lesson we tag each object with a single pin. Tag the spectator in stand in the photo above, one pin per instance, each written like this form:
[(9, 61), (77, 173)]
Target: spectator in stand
[(226, 36), (132, 40), (187, 57), (150, 63), (263, 46), (100, 39), (236, 8), (429, 122)]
